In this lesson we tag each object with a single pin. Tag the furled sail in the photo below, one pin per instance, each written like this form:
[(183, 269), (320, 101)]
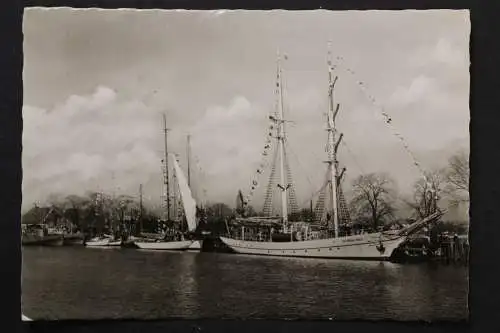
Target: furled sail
[(188, 202)]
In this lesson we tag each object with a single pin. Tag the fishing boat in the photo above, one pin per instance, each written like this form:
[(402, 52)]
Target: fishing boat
[(274, 236), (73, 238), (38, 234), (70, 236)]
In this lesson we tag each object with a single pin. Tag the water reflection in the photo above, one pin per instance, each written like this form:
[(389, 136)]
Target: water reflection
[(60, 283)]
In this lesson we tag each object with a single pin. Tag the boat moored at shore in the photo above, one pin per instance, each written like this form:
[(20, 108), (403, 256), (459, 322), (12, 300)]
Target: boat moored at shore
[(38, 234), (103, 241), (371, 246), (178, 240), (286, 238)]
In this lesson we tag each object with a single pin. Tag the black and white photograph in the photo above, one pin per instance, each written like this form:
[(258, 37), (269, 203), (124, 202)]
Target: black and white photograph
[(238, 164)]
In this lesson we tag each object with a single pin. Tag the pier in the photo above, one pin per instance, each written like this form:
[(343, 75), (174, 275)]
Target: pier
[(446, 250)]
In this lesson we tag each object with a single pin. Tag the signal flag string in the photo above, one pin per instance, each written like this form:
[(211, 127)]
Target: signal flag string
[(388, 120)]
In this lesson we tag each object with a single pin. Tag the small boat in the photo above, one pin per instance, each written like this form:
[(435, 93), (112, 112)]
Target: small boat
[(103, 241), (165, 245)]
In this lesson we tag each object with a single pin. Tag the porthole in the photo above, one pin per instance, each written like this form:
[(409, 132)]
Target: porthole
[(305, 251), (330, 249)]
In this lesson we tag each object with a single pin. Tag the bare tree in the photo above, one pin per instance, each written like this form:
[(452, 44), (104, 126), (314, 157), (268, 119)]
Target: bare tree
[(427, 193), (373, 197), (457, 177), (74, 206)]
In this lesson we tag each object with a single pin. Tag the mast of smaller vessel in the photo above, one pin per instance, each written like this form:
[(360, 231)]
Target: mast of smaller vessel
[(281, 145), (166, 179), (113, 207), (140, 207), (332, 146), (188, 153), (175, 194)]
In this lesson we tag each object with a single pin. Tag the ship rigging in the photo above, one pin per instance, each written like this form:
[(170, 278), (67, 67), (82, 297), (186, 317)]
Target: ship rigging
[(331, 208)]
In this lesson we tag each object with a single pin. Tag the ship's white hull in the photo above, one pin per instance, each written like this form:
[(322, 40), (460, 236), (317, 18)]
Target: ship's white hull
[(165, 246), (360, 247)]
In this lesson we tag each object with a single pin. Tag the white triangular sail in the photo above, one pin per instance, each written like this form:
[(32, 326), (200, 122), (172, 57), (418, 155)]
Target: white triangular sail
[(188, 202)]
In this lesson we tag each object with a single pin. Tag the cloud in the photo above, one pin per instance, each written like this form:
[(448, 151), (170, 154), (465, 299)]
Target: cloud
[(227, 141), (88, 142), (417, 91), (441, 53), (218, 87), (445, 53)]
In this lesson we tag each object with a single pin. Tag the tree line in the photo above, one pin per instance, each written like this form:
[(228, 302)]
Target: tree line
[(375, 198), (373, 203)]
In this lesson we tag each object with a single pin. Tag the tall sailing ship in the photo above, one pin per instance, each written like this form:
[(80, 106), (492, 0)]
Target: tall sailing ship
[(183, 206), (277, 236)]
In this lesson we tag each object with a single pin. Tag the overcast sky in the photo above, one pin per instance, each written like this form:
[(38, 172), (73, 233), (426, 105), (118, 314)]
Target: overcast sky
[(96, 82)]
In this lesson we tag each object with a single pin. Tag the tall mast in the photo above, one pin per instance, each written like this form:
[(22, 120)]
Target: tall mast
[(332, 147), (281, 145), (167, 179)]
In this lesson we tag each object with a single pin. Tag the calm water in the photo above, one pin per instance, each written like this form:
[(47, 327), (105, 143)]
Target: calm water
[(82, 283)]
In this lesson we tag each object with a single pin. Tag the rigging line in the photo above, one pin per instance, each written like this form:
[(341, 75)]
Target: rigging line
[(388, 120), (353, 157), (300, 165), (315, 193)]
